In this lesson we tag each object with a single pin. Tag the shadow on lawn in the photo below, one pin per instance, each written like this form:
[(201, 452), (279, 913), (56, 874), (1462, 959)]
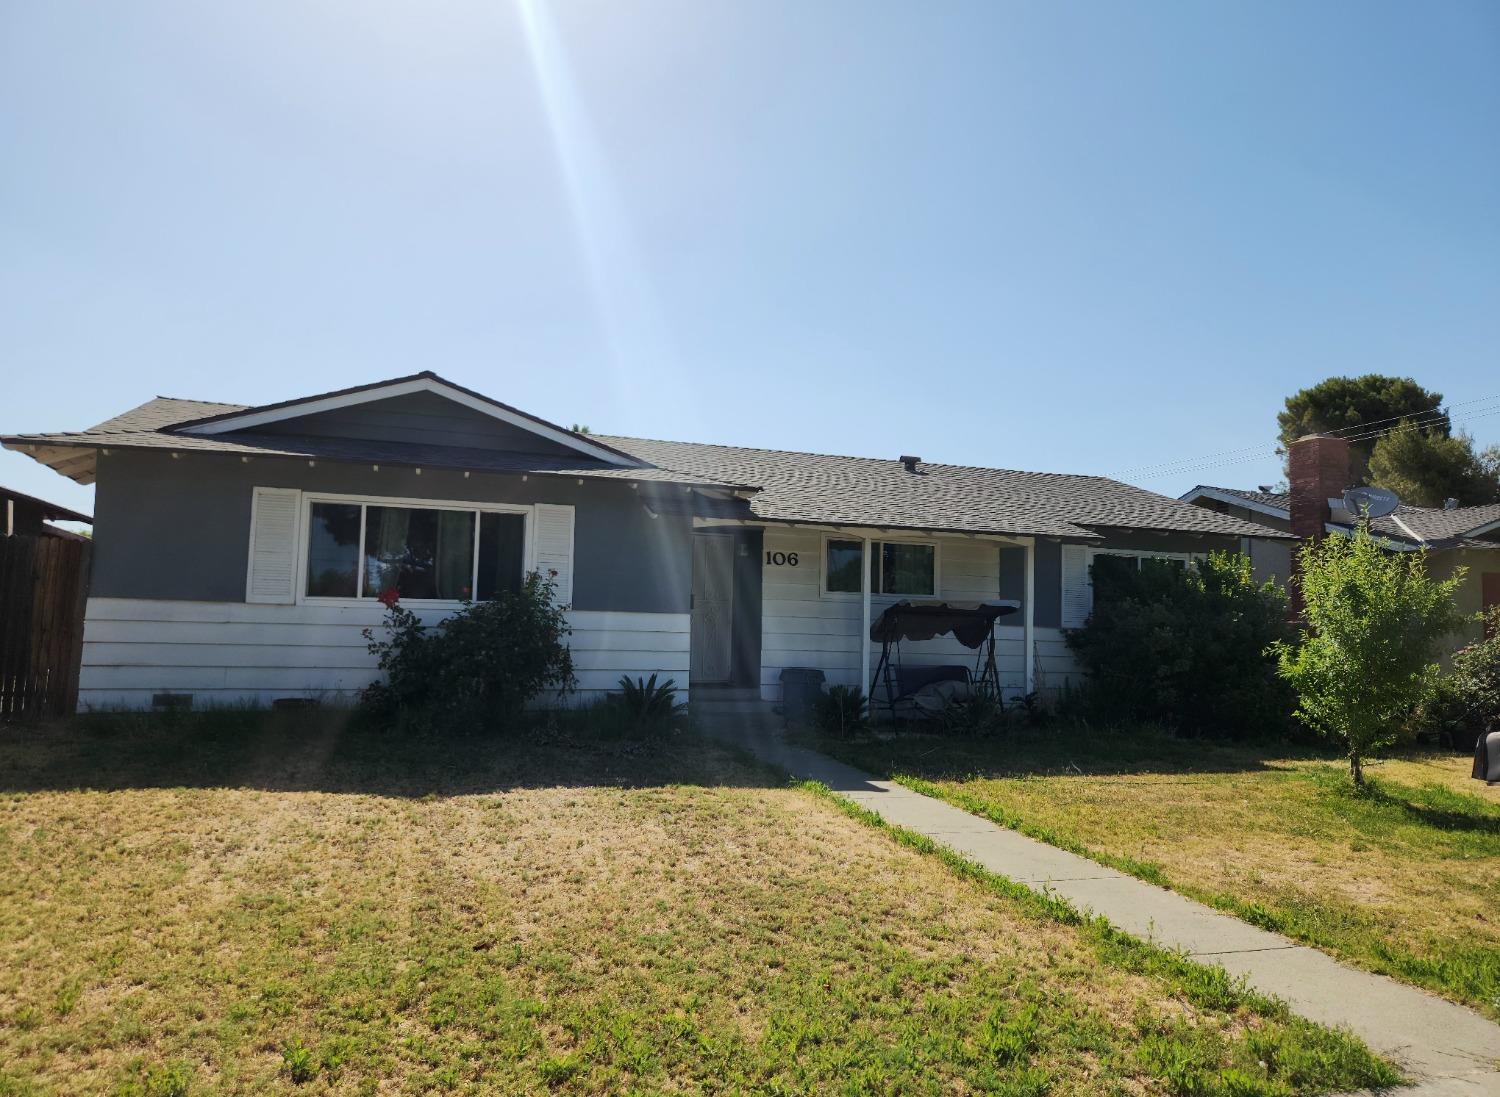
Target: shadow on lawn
[(336, 751), (1062, 750), (1435, 807)]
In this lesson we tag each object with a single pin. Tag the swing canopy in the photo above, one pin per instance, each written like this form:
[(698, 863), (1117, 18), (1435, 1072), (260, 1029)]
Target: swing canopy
[(972, 623)]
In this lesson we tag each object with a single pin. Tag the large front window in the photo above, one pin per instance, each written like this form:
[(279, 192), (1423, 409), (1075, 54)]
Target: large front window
[(896, 567), (363, 550)]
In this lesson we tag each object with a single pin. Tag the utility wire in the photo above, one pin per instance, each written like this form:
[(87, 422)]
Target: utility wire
[(1263, 454), (1421, 420)]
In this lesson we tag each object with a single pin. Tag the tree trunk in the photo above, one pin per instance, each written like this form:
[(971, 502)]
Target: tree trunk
[(1356, 771)]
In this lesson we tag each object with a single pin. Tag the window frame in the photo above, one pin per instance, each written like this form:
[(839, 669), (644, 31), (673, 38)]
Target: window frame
[(875, 543), (1188, 559), (304, 537)]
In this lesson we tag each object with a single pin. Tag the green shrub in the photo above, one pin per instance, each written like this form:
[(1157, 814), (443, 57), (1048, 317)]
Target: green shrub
[(1465, 703), (842, 711), (482, 665), (647, 704), (1186, 648)]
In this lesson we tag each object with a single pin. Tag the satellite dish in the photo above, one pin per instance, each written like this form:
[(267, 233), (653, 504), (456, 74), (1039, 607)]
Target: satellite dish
[(1370, 502)]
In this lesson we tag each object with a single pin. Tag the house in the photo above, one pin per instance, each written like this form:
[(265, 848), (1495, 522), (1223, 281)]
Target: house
[(28, 516), (1453, 536), (239, 550)]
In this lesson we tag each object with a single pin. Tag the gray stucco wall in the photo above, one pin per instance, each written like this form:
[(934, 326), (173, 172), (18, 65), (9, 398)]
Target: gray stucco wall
[(424, 418), (180, 529)]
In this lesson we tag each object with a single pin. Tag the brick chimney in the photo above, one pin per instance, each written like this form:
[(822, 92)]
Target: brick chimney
[(1317, 470)]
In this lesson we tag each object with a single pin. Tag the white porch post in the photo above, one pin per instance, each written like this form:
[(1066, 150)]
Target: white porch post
[(1028, 626), (864, 605)]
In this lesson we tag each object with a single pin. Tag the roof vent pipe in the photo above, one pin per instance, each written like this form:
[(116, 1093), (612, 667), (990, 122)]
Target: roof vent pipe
[(1450, 504), (910, 462)]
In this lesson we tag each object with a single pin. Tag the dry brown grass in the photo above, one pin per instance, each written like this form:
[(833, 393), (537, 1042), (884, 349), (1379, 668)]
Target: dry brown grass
[(544, 912)]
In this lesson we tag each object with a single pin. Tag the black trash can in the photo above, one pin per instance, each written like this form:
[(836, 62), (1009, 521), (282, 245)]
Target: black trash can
[(800, 689), (1487, 757)]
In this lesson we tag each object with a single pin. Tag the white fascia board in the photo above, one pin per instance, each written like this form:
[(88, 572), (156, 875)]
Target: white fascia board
[(1235, 501), (253, 419)]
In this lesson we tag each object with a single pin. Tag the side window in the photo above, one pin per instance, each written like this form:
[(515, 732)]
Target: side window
[(842, 566), (908, 569), (896, 567)]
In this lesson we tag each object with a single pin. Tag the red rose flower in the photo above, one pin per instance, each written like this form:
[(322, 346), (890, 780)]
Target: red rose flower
[(389, 597)]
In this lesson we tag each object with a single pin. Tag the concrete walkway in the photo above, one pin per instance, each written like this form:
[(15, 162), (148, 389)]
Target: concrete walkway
[(1446, 1048)]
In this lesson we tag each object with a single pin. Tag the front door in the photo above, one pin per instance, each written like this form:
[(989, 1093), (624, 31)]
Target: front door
[(712, 657)]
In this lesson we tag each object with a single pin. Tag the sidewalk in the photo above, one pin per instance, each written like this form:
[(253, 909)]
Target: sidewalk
[(1446, 1048)]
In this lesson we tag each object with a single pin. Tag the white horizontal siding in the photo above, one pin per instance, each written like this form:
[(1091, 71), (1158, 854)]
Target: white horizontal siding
[(227, 651), (801, 628)]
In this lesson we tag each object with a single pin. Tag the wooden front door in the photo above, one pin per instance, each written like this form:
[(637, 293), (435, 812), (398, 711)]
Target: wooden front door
[(712, 656)]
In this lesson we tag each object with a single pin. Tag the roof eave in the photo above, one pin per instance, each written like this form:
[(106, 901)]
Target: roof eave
[(34, 446)]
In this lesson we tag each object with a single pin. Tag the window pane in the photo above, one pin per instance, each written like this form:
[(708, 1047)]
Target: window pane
[(333, 550), (843, 565), (907, 569), (1113, 576), (419, 553), (502, 548)]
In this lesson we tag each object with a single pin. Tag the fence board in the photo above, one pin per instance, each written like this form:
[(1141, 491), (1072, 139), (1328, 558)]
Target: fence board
[(43, 591)]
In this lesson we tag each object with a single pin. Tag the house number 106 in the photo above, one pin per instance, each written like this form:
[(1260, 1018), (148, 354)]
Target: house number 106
[(782, 559)]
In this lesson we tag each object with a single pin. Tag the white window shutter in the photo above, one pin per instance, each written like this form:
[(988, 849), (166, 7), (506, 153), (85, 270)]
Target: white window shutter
[(1077, 596), (272, 575), (554, 548)]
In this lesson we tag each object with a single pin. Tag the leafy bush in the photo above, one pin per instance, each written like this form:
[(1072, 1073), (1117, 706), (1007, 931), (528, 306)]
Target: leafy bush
[(1466, 702), (483, 664), (647, 704), (1365, 660), (1185, 647), (842, 711)]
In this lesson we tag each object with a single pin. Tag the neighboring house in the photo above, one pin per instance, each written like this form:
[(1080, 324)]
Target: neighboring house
[(239, 551), (27, 516), (1454, 537)]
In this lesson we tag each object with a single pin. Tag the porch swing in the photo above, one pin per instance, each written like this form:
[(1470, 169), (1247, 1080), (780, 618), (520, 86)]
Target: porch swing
[(972, 625)]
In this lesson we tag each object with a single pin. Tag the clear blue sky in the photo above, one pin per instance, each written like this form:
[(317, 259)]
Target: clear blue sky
[(1058, 236)]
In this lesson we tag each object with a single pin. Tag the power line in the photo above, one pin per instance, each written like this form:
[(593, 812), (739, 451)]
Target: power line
[(1419, 421), (1232, 458)]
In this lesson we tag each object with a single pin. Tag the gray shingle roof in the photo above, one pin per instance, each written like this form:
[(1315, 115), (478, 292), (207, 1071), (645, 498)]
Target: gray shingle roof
[(867, 491), (1433, 526), (1281, 500), (789, 487)]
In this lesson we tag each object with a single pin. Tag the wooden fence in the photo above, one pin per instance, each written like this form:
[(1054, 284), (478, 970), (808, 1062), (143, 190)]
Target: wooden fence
[(43, 588)]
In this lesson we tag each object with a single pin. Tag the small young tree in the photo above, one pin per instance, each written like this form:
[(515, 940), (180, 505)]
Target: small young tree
[(1364, 660)]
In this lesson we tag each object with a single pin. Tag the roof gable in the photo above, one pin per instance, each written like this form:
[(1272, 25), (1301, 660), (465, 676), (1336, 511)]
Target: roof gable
[(359, 411)]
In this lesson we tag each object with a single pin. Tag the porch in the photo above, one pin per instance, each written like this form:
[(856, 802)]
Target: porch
[(767, 597)]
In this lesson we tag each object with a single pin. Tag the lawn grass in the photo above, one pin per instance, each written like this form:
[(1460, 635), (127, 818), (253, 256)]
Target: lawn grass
[(1402, 878), (244, 903)]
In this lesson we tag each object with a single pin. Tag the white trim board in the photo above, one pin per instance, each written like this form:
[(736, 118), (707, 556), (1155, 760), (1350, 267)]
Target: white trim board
[(253, 418)]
